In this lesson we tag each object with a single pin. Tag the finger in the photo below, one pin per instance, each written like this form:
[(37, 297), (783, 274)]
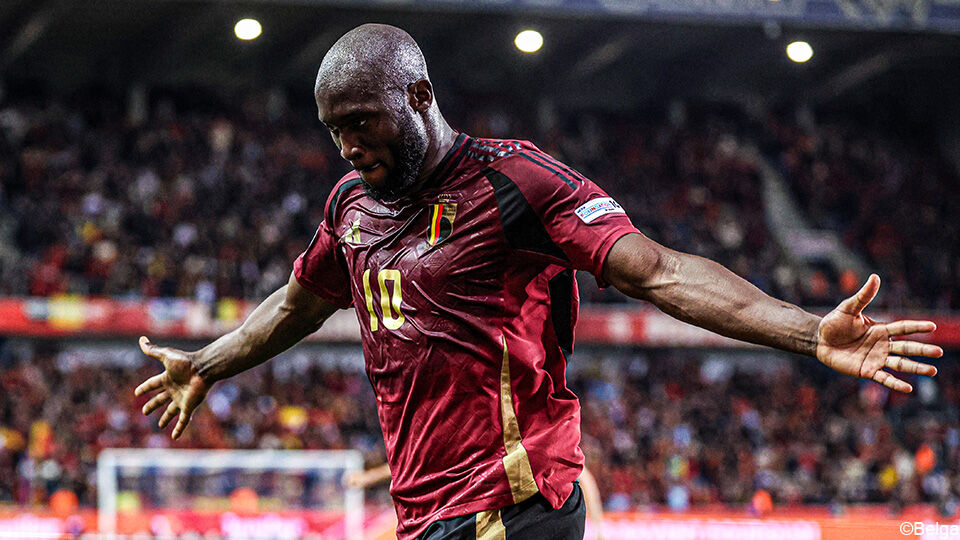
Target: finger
[(892, 382), (155, 403), (156, 352), (168, 415), (905, 365), (181, 424), (149, 349), (915, 348), (902, 328), (855, 304), (149, 385)]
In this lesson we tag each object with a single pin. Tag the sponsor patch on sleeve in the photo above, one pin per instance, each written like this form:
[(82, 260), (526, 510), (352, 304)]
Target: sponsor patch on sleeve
[(596, 208)]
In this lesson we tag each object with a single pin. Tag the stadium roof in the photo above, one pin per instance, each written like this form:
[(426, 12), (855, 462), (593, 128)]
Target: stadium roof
[(598, 61)]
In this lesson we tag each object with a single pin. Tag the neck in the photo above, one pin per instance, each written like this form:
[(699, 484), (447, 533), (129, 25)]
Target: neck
[(443, 137)]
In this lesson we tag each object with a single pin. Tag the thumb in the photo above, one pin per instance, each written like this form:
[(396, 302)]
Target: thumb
[(149, 349), (856, 303)]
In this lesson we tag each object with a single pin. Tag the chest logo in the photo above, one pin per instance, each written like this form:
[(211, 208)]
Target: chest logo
[(441, 222), (352, 236)]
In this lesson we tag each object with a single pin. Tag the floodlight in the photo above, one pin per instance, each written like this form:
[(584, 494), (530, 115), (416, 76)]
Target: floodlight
[(529, 41), (799, 51), (247, 29)]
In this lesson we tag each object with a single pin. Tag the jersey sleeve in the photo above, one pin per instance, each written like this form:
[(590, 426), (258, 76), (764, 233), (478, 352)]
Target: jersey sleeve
[(579, 218), (321, 268)]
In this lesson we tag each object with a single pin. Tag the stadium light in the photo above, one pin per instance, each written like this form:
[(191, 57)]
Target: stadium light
[(528, 41), (247, 29), (799, 51)]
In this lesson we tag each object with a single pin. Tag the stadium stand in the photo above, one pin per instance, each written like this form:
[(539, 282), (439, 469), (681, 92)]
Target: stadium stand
[(212, 202), (668, 428), (166, 208), (176, 193), (888, 197), (207, 178)]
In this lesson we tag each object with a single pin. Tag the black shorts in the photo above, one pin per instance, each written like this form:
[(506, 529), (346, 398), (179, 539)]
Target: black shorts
[(533, 519)]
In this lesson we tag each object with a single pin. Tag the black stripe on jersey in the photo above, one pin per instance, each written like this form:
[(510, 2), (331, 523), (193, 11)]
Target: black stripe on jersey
[(561, 309), (344, 187), (453, 157), (520, 223), (557, 173), (569, 170)]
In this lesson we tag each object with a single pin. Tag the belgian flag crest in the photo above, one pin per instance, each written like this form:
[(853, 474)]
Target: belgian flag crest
[(441, 222)]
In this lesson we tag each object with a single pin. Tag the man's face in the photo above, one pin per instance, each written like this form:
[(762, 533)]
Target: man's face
[(380, 135)]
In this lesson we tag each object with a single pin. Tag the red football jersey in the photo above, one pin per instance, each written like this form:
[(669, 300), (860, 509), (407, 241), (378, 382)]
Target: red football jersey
[(467, 301)]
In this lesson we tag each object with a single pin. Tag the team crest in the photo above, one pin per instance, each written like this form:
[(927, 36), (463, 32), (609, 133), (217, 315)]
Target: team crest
[(441, 222)]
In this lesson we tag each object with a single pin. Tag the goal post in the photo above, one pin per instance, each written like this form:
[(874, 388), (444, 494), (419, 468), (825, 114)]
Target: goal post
[(266, 493)]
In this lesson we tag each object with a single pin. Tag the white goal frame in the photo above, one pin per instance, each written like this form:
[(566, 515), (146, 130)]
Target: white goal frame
[(112, 459)]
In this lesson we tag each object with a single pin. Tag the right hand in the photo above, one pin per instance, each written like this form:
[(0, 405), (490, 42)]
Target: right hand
[(180, 384), (355, 480), (367, 478)]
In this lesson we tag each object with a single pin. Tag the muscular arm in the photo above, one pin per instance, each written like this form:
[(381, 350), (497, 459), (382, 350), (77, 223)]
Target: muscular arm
[(287, 316), (284, 318), (704, 293)]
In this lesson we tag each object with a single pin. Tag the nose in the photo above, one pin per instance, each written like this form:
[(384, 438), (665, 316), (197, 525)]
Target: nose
[(350, 148)]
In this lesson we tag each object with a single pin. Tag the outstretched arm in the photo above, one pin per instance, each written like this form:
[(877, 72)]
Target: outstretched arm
[(704, 293), (283, 319)]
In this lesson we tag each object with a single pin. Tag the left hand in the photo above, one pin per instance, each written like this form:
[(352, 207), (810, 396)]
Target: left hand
[(180, 384), (855, 344)]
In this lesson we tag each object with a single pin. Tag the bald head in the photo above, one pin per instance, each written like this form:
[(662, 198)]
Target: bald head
[(371, 58), (373, 95)]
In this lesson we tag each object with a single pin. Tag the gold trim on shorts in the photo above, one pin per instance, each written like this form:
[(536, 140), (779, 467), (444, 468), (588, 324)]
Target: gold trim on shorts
[(489, 526)]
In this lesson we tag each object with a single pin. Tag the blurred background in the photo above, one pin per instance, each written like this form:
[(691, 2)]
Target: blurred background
[(162, 165)]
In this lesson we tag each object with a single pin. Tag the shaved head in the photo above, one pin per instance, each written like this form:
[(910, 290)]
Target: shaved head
[(371, 58), (374, 96)]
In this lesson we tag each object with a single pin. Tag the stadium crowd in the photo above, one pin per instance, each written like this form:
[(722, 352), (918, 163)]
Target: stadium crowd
[(890, 201), (684, 428), (58, 409), (180, 204), (211, 202), (688, 428), (201, 204)]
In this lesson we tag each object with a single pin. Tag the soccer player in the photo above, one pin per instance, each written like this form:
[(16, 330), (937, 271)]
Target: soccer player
[(457, 255)]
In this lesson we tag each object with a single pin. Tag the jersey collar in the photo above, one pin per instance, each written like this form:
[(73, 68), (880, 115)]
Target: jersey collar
[(451, 159)]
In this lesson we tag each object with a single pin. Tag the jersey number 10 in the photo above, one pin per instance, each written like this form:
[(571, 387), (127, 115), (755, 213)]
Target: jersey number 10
[(389, 300)]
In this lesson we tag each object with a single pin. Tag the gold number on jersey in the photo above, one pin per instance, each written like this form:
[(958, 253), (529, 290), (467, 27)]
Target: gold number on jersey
[(390, 300), (368, 295)]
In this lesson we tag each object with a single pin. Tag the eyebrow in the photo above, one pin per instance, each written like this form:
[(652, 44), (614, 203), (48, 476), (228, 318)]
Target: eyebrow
[(348, 115)]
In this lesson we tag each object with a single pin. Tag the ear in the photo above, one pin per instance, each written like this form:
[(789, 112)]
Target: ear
[(420, 95)]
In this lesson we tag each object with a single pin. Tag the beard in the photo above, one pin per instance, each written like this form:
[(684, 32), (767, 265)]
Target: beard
[(408, 157)]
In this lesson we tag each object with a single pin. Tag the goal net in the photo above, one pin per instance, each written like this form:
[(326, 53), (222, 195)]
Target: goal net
[(229, 493)]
